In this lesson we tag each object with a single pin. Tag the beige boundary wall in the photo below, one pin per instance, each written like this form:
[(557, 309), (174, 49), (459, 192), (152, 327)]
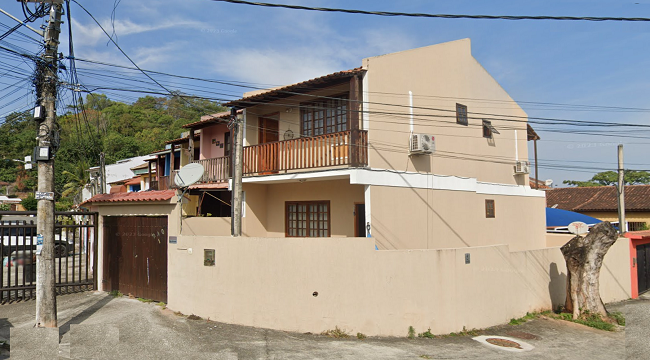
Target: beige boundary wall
[(270, 283)]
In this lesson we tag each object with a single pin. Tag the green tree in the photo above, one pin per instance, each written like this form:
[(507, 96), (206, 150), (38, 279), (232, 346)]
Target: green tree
[(30, 203), (609, 178), (76, 180)]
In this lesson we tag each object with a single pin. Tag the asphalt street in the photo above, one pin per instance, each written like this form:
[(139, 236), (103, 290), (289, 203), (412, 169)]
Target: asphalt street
[(94, 325)]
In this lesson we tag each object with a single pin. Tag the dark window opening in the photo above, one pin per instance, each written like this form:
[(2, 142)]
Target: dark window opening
[(325, 116), (489, 209), (307, 219), (213, 203), (177, 160), (487, 129), (461, 114), (227, 145)]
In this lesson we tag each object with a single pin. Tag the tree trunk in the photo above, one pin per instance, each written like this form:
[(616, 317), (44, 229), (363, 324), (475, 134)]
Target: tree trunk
[(584, 258)]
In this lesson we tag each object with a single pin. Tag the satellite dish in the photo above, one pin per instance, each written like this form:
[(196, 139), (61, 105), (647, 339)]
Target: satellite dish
[(578, 228), (548, 182), (188, 175)]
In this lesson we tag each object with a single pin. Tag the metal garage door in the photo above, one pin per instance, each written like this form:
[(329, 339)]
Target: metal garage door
[(135, 256), (643, 266)]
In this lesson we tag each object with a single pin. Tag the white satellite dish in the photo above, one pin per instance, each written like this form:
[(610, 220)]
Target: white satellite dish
[(188, 175), (578, 228), (548, 182)]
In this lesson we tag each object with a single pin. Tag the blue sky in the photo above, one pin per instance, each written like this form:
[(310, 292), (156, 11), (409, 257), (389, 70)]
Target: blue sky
[(575, 63)]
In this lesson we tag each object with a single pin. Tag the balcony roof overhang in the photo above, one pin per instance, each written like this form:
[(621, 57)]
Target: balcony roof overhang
[(296, 89), (532, 135), (209, 120)]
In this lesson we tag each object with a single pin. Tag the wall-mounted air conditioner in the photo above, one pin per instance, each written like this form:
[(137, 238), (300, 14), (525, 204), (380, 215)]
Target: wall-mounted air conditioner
[(422, 144), (522, 167)]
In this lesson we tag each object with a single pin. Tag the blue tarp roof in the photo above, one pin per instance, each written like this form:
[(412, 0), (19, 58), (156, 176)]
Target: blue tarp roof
[(559, 217)]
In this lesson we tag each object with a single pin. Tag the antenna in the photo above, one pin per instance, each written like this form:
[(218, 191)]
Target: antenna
[(188, 175)]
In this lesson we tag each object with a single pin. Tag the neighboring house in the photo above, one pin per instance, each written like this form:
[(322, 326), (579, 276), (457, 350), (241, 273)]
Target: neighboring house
[(601, 202), (338, 156), (119, 171), (538, 184)]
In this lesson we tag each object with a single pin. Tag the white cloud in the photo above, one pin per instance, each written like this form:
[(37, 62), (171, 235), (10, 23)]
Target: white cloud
[(91, 34)]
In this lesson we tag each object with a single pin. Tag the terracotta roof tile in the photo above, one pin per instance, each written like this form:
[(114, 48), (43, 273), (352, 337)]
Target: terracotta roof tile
[(157, 195), (133, 181), (221, 117), (294, 89), (599, 198)]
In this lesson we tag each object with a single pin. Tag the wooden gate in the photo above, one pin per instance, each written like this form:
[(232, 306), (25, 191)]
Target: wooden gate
[(135, 256), (643, 266)]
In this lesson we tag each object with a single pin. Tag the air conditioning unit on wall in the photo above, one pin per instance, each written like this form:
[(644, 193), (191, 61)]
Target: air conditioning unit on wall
[(522, 167), (422, 144)]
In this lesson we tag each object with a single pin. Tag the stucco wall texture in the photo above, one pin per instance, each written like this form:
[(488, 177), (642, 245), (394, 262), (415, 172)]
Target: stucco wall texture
[(315, 284)]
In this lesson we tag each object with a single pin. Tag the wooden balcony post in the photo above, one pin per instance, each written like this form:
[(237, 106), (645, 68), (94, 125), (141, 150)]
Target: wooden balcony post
[(353, 116), (190, 146)]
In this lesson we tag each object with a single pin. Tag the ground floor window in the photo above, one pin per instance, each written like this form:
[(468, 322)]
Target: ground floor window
[(307, 219)]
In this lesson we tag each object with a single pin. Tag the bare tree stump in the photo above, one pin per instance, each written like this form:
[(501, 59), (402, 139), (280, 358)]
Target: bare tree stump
[(584, 258)]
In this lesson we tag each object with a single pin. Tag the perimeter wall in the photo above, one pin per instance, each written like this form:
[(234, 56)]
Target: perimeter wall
[(315, 284)]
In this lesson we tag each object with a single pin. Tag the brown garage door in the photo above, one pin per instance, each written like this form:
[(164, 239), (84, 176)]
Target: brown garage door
[(135, 256)]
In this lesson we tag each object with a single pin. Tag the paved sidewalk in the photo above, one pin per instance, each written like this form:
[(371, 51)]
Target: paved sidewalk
[(95, 325)]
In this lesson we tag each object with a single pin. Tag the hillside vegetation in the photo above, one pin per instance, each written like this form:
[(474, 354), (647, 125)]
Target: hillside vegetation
[(118, 129)]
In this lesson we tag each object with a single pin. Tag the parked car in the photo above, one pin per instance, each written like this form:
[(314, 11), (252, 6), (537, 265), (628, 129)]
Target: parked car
[(19, 232)]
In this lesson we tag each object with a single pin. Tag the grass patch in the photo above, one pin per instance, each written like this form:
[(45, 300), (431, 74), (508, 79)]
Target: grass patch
[(526, 318), (618, 316), (116, 293), (336, 333), (193, 317), (162, 305), (592, 320), (465, 332), (411, 333), (145, 300), (361, 336), (427, 334)]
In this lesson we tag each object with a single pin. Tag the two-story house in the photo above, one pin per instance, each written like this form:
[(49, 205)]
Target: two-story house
[(418, 149)]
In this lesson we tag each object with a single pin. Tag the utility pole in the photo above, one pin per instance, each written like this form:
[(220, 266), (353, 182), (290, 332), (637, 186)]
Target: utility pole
[(238, 169), (621, 191), (47, 141), (102, 173)]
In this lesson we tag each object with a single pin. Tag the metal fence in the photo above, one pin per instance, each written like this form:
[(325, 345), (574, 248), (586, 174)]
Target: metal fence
[(75, 253)]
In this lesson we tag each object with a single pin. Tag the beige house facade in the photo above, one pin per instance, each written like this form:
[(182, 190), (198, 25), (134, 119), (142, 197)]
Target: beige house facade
[(349, 220), (332, 157)]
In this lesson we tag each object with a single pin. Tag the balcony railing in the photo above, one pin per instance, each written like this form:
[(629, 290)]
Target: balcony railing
[(346, 148), (216, 169)]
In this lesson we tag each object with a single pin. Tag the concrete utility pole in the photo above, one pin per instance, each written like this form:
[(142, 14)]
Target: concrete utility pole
[(47, 139), (621, 191), (238, 169), (102, 173)]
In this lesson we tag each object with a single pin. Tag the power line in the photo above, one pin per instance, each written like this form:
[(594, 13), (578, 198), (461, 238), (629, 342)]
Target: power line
[(443, 16)]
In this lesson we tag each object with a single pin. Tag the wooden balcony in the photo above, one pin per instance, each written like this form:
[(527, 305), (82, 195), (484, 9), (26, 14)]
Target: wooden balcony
[(216, 170), (342, 149), (346, 148)]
